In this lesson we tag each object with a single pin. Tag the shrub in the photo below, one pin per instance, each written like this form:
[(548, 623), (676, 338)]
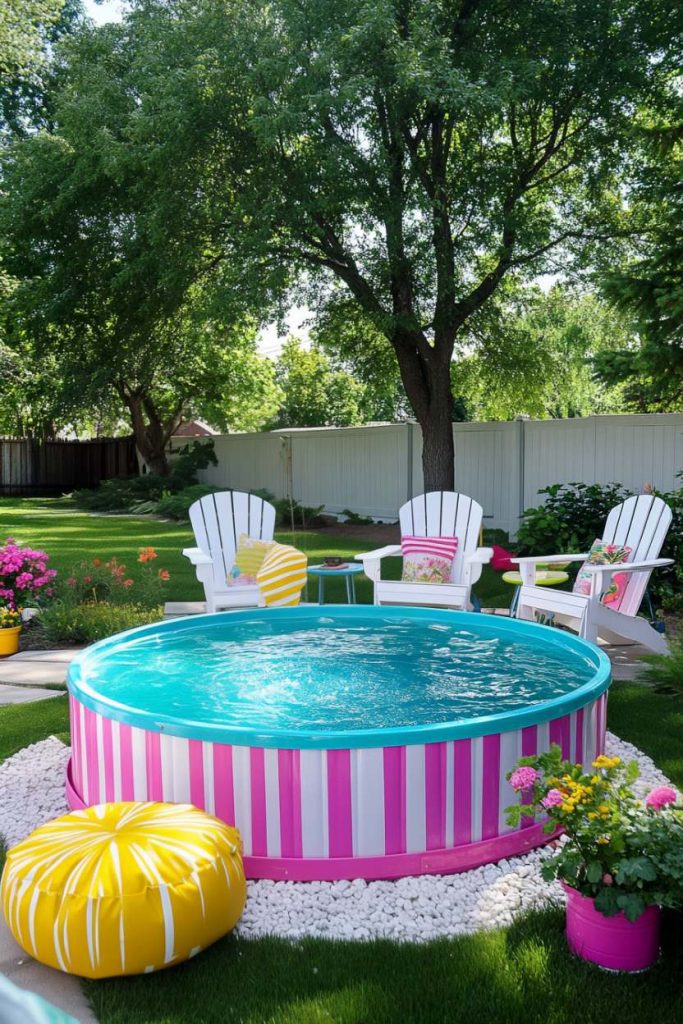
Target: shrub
[(141, 494), (24, 576), (570, 518), (573, 515), (177, 506), (66, 623), (289, 513), (665, 671), (99, 598), (355, 519), (666, 585), (122, 493)]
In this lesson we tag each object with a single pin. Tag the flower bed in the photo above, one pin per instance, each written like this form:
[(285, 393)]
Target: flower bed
[(100, 598)]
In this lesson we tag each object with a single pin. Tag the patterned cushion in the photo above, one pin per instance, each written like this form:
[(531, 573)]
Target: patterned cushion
[(428, 559), (282, 576), (123, 888), (248, 560), (605, 554)]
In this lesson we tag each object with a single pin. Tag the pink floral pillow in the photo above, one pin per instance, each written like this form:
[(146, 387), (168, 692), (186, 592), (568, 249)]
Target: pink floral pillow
[(428, 559), (605, 554)]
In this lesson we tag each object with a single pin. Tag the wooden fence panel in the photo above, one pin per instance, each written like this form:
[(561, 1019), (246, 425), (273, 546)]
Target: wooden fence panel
[(43, 468)]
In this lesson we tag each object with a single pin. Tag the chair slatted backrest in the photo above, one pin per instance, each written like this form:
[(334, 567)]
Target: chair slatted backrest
[(219, 519), (445, 514), (640, 523)]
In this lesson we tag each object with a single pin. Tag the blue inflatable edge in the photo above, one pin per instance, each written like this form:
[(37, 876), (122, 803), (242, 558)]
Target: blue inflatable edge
[(290, 739)]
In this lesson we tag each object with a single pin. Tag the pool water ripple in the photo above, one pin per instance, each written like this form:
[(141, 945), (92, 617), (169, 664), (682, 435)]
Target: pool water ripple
[(327, 674)]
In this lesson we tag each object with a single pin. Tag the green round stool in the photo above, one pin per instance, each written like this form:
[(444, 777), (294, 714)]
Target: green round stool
[(544, 578)]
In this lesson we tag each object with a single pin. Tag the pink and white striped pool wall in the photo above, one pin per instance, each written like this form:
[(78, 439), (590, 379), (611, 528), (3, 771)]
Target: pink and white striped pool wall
[(377, 812)]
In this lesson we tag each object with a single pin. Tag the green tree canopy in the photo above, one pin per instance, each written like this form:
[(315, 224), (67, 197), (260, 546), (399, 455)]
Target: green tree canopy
[(650, 286), (313, 393), (25, 25), (416, 153), (102, 286), (535, 357)]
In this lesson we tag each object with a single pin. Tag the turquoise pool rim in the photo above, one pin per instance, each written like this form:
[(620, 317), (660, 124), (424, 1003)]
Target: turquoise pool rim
[(344, 739)]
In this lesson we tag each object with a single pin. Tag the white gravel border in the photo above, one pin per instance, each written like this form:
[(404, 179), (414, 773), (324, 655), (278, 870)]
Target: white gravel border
[(410, 909)]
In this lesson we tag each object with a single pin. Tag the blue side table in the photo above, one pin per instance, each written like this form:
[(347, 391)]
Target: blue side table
[(349, 572)]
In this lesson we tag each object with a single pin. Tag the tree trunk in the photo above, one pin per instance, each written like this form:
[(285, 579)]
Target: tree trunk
[(426, 378), (438, 450), (150, 438)]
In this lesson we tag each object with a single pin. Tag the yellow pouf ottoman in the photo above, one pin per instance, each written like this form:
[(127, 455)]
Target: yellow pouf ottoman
[(124, 888)]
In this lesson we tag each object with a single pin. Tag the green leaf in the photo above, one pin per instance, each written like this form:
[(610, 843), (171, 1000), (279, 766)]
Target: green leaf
[(594, 871)]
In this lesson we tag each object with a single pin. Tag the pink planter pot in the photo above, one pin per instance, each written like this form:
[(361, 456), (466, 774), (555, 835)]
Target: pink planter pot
[(611, 942)]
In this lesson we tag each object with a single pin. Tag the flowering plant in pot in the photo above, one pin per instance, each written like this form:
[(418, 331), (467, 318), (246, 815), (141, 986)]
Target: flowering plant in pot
[(10, 627), (621, 859), (24, 580)]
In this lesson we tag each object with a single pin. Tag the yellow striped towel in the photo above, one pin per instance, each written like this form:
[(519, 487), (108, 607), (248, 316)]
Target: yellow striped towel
[(282, 576)]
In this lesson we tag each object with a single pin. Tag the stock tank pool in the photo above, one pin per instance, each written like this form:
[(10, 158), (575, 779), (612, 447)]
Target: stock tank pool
[(343, 741)]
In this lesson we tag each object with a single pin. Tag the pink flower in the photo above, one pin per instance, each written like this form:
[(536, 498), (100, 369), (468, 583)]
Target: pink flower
[(607, 879), (71, 581), (553, 798), (660, 797), (523, 778), (127, 583)]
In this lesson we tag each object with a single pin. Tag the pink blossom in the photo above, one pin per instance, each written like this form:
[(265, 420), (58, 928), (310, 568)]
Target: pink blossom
[(553, 798), (523, 778), (660, 797), (71, 581), (607, 879)]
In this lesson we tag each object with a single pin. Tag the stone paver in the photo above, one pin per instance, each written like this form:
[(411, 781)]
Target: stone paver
[(625, 660), (63, 656), (25, 694), (63, 990), (176, 609), (32, 673)]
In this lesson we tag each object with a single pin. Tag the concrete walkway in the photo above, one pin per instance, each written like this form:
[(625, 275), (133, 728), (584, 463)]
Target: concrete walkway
[(63, 990)]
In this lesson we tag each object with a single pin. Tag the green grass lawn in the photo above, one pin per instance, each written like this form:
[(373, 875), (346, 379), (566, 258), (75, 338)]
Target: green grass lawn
[(518, 975), (71, 536), (22, 724)]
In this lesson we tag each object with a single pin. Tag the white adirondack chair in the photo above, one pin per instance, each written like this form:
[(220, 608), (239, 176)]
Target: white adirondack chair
[(437, 514), (217, 521), (640, 523)]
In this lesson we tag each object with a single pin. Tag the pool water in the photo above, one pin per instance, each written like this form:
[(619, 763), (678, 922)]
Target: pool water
[(315, 673)]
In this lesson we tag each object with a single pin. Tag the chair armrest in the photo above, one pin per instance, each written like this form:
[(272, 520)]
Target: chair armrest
[(653, 563), (481, 555), (372, 560), (548, 559), (197, 556), (473, 565), (385, 552)]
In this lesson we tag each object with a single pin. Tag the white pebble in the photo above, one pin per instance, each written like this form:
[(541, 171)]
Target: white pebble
[(409, 909)]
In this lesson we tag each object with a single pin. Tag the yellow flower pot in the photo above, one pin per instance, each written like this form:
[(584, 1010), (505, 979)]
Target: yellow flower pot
[(9, 641)]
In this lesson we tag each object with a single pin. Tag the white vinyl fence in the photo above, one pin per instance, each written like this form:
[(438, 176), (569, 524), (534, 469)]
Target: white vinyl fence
[(373, 470)]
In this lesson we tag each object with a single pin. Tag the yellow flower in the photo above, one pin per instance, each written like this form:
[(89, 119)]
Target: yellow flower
[(602, 840), (592, 815), (603, 808), (602, 761)]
